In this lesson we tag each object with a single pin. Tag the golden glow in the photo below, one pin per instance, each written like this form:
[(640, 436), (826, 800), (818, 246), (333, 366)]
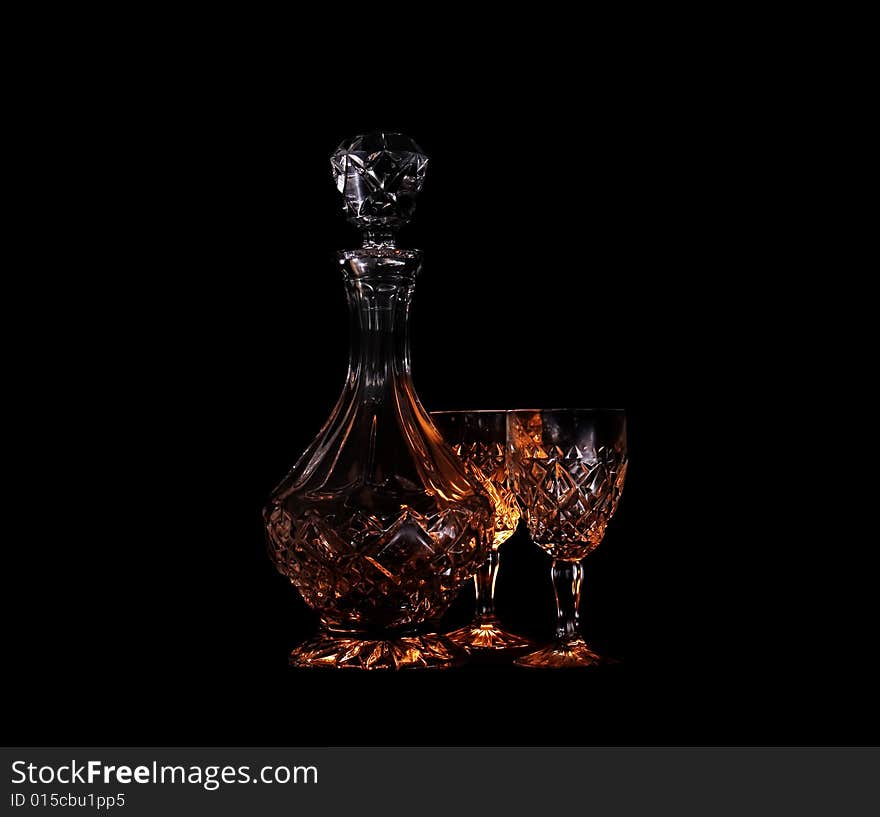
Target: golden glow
[(340, 652), (487, 636)]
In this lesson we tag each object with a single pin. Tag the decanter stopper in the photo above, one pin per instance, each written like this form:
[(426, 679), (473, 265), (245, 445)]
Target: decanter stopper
[(379, 175)]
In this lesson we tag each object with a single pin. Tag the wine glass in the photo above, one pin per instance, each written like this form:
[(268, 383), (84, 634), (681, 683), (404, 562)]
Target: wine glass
[(479, 438), (568, 467)]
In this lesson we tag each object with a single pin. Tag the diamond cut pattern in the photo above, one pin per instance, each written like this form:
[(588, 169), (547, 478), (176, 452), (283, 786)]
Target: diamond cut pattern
[(379, 176), (365, 654), (487, 462), (376, 572), (569, 495)]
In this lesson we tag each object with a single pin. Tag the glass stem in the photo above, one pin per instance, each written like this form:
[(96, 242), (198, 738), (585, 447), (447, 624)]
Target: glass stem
[(567, 579), (484, 582)]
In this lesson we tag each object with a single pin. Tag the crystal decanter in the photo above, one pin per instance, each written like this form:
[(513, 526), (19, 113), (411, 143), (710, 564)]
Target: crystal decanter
[(378, 525)]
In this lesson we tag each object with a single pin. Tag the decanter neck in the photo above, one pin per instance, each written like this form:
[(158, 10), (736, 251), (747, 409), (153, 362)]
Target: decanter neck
[(379, 291)]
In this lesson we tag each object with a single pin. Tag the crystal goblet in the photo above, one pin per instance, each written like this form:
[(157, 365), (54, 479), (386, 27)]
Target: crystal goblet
[(479, 438), (568, 467)]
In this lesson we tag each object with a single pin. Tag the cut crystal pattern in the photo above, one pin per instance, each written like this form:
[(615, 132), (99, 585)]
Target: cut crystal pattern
[(378, 524), (569, 492), (479, 438), (407, 652), (369, 572), (379, 176), (487, 462)]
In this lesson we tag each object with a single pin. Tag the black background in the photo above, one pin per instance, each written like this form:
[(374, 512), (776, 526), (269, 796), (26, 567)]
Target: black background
[(196, 339)]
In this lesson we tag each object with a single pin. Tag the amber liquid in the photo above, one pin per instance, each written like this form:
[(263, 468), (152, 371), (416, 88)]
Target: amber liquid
[(376, 571), (486, 462)]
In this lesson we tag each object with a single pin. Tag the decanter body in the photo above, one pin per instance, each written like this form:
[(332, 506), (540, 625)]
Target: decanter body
[(378, 525)]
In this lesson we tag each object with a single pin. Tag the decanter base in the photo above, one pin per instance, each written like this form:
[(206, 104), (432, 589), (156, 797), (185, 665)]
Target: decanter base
[(487, 635), (563, 655), (335, 651)]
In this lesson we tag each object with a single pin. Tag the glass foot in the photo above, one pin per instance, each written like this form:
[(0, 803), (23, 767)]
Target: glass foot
[(563, 655), (487, 636), (429, 651)]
